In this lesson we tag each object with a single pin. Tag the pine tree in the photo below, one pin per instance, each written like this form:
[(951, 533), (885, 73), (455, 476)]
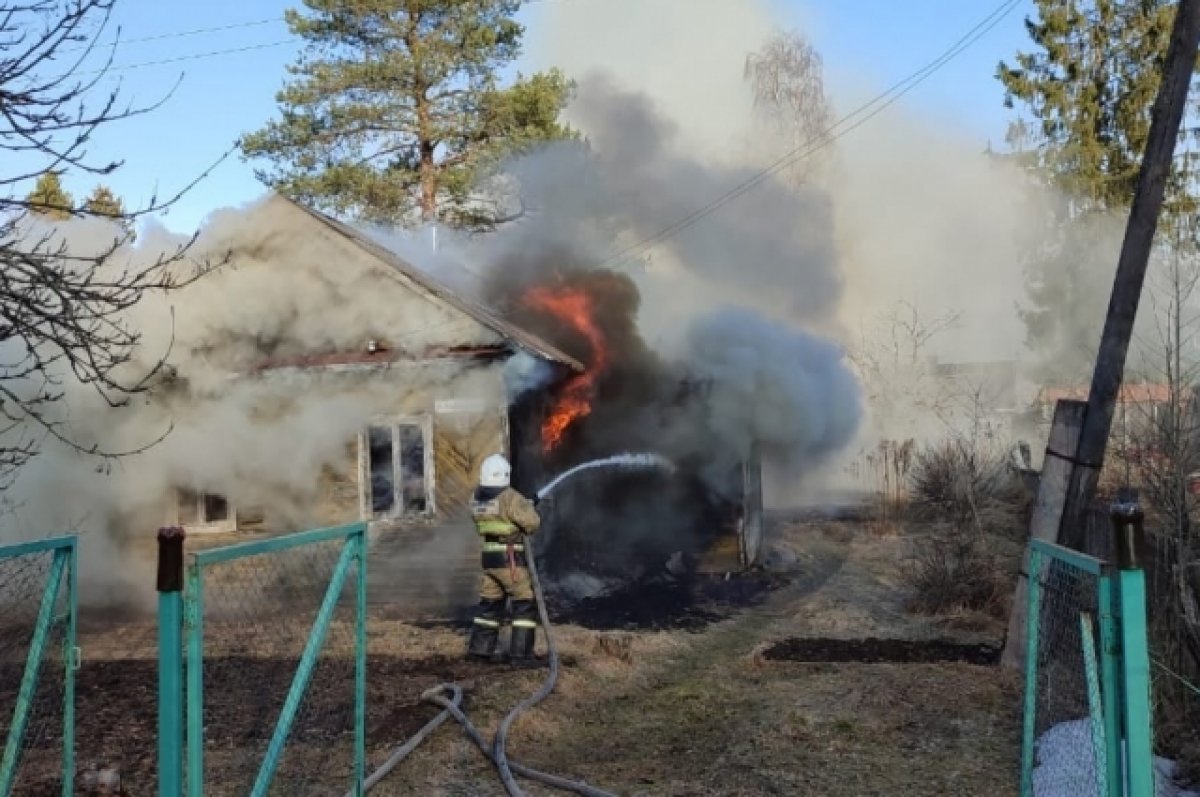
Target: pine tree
[(103, 202), (394, 112), (1087, 87), (49, 198), (1090, 83)]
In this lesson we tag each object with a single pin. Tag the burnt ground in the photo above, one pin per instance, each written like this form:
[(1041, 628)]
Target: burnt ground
[(653, 605), (687, 605), (694, 602), (116, 714), (787, 684), (874, 651)]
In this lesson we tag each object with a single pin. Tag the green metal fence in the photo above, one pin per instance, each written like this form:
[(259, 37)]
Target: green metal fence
[(38, 659), (1086, 723), (273, 652), (1071, 670)]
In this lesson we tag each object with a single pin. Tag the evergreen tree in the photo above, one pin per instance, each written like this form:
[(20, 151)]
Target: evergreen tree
[(394, 112), (1090, 84), (103, 202), (1087, 87), (49, 198)]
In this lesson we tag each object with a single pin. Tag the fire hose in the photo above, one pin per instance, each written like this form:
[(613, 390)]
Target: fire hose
[(449, 697)]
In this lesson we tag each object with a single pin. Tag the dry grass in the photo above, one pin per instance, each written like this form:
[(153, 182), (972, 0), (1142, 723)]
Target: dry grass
[(679, 713), (952, 572), (675, 713)]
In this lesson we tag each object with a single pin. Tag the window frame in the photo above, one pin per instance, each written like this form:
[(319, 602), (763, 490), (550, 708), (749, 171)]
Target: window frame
[(394, 423), (203, 525)]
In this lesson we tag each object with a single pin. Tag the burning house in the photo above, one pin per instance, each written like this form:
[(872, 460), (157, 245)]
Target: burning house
[(705, 515), (440, 380), (430, 366)]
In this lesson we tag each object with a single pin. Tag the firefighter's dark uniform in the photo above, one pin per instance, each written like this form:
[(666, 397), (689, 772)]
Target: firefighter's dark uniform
[(502, 515)]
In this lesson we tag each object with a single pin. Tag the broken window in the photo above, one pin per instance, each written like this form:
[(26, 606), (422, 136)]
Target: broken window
[(412, 467), (397, 481), (215, 508), (380, 459), (196, 508)]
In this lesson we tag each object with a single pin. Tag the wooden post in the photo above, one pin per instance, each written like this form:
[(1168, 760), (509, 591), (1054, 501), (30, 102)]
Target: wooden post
[(1131, 266), (1057, 467)]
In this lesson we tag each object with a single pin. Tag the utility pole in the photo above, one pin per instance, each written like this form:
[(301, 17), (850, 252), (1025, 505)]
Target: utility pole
[(1165, 120)]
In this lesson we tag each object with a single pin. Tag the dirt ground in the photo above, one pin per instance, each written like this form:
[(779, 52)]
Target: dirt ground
[(821, 684)]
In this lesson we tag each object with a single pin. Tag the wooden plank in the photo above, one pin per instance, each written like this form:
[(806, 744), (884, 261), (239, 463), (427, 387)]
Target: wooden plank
[(752, 530), (1057, 468), (461, 442)]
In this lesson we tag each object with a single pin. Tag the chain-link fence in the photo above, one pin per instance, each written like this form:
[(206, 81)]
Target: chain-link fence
[(1175, 689), (275, 642), (37, 666), (1070, 737), (1173, 594)]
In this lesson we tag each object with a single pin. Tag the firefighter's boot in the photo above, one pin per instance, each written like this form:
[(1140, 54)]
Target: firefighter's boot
[(485, 631), (524, 632)]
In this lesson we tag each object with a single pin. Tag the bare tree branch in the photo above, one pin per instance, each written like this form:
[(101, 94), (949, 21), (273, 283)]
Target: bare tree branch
[(789, 91), (65, 313)]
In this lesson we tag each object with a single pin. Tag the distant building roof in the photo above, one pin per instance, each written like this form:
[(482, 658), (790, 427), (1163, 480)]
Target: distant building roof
[(1133, 393)]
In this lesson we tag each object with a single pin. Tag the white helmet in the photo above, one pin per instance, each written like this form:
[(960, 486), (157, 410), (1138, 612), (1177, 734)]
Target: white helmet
[(494, 472)]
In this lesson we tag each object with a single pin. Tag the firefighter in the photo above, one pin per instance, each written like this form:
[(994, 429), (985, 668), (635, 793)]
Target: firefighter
[(502, 517)]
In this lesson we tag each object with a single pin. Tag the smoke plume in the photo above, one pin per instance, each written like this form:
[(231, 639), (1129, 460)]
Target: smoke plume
[(265, 440), (715, 336), (726, 325)]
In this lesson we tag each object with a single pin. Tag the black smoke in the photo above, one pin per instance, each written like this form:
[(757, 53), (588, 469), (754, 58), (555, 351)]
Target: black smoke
[(617, 525), (728, 379)]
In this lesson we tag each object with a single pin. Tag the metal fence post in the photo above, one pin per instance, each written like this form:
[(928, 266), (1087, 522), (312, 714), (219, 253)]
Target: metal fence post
[(1095, 704), (1110, 666), (193, 619), (1130, 546), (29, 676), (71, 662), (360, 666), (1029, 717), (170, 662)]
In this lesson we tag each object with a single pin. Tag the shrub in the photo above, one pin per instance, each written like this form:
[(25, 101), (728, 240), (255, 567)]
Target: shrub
[(967, 485), (952, 570)]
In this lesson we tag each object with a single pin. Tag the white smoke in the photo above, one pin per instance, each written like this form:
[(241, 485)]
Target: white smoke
[(902, 210), (784, 388), (524, 373), (268, 440), (753, 294)]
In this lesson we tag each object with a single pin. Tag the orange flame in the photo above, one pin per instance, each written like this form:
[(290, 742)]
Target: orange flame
[(575, 308)]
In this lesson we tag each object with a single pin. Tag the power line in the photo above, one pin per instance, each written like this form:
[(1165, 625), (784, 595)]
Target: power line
[(175, 34), (216, 29), (191, 57), (830, 134), (210, 54)]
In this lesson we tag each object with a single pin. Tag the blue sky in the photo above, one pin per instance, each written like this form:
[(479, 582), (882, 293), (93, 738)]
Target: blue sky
[(872, 43)]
